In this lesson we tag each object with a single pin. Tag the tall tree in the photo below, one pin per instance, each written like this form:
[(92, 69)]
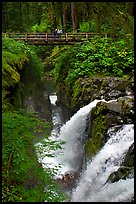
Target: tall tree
[(66, 16), (96, 16), (74, 14), (4, 17)]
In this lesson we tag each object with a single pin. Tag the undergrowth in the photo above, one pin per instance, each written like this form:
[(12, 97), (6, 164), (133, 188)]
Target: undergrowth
[(23, 178)]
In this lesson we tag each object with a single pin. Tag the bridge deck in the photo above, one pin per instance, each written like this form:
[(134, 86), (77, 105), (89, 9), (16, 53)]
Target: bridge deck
[(50, 39)]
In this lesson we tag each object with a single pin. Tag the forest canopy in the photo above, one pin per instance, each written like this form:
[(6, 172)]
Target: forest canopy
[(111, 17)]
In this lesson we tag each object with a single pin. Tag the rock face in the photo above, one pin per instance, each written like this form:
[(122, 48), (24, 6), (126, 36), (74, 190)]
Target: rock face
[(86, 90), (68, 179)]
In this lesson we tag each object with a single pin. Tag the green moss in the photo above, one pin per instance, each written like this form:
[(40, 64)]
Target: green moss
[(18, 60), (125, 107), (103, 82), (100, 107), (121, 173), (97, 136), (76, 93), (18, 96)]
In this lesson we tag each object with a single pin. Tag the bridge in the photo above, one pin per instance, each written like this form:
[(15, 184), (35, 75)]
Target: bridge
[(51, 39)]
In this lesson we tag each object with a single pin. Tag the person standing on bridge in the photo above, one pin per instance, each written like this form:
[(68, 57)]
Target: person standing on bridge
[(59, 32)]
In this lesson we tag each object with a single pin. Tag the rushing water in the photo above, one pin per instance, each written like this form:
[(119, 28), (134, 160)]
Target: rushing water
[(57, 118), (72, 133), (92, 186)]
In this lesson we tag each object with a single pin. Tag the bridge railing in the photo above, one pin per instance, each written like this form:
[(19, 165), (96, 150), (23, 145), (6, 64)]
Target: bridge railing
[(52, 37)]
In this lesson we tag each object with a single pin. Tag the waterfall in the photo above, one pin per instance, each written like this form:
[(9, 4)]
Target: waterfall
[(72, 133), (120, 191), (91, 185), (57, 118)]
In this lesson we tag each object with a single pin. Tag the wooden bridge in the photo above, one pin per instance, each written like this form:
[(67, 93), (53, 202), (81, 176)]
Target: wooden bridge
[(50, 39)]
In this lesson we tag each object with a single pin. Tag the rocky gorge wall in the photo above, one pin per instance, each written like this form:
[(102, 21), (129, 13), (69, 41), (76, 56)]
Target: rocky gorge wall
[(87, 89)]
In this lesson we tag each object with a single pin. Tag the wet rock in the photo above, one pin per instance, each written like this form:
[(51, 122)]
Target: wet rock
[(114, 94), (58, 103), (87, 89), (129, 158), (82, 83), (123, 106), (126, 168), (122, 173), (68, 179)]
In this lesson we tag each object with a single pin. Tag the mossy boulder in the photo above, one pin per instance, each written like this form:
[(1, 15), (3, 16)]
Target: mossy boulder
[(104, 116)]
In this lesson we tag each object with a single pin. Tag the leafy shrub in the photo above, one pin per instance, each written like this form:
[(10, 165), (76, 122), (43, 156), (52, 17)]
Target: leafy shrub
[(43, 27), (23, 179), (100, 56), (88, 26)]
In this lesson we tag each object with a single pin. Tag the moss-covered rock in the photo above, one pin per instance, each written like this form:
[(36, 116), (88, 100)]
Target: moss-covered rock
[(104, 116), (122, 173), (96, 139)]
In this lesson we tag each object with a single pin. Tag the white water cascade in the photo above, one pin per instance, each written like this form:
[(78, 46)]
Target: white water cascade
[(92, 186), (72, 133), (57, 118)]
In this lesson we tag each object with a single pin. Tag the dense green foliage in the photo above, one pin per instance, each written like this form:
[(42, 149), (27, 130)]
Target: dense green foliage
[(23, 179), (100, 56), (15, 57), (43, 27)]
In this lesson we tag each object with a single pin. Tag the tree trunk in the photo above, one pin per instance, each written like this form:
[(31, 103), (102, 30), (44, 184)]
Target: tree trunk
[(96, 16), (65, 13), (21, 16), (4, 20), (74, 13), (66, 16)]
